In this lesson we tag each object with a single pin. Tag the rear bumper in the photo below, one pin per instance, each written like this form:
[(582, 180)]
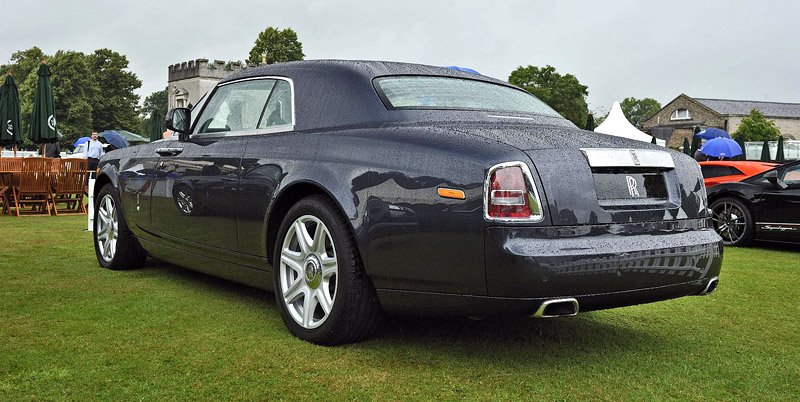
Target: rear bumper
[(599, 259), (601, 266)]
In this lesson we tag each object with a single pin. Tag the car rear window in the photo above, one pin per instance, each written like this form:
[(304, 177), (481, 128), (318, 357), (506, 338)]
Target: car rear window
[(423, 92)]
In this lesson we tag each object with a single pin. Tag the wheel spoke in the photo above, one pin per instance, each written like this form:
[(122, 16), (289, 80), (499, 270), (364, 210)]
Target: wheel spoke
[(318, 245), (293, 260), (329, 267), (309, 305), (303, 238), (294, 291), (324, 300)]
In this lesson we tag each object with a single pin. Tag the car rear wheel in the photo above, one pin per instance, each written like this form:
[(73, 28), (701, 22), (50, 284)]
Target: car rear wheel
[(114, 244), (733, 221), (323, 293)]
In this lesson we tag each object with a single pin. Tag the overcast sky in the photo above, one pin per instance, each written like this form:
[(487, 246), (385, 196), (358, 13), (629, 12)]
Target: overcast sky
[(713, 49)]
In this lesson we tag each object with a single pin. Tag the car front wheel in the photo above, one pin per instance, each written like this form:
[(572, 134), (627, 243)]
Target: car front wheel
[(323, 293), (733, 221), (114, 244)]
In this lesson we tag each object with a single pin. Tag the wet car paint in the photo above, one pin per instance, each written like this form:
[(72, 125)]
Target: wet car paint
[(383, 170)]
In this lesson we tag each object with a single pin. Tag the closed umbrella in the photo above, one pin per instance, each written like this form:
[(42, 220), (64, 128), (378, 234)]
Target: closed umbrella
[(687, 149), (43, 119), (696, 141), (590, 122), (721, 148), (765, 152), (156, 126), (743, 156), (9, 114), (779, 155)]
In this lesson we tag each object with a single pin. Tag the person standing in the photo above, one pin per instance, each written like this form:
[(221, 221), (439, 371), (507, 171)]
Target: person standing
[(94, 150)]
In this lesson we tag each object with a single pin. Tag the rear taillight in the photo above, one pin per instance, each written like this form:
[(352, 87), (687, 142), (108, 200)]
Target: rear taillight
[(510, 194)]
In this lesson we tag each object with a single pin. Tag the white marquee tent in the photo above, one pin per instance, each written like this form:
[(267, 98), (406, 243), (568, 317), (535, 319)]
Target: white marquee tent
[(616, 124)]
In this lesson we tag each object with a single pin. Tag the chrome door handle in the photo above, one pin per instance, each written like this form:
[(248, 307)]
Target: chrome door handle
[(169, 151)]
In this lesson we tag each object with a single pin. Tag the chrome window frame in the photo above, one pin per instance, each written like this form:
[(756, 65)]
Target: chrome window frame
[(284, 128)]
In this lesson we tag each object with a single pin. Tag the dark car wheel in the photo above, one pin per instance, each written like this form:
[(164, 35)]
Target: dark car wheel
[(323, 293), (114, 244), (733, 221)]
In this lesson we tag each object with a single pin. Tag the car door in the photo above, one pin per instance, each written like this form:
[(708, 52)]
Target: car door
[(779, 215), (195, 200)]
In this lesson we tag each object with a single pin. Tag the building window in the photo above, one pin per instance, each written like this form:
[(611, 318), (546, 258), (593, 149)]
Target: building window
[(681, 114)]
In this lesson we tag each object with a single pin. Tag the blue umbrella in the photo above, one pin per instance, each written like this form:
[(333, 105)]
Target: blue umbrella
[(464, 69), (721, 148), (114, 138), (712, 132), (80, 141)]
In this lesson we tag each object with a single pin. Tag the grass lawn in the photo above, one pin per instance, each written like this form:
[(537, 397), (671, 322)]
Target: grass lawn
[(71, 330)]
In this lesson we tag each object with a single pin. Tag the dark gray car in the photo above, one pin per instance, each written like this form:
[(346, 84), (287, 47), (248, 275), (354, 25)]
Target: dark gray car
[(354, 188)]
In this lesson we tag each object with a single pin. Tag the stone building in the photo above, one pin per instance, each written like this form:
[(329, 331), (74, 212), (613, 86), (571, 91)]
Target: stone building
[(187, 82), (677, 119)]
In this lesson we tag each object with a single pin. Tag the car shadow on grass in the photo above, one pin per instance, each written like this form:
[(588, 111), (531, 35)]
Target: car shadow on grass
[(496, 336)]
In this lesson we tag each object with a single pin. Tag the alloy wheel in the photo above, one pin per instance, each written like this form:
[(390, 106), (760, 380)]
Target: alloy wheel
[(107, 228), (729, 221), (308, 272)]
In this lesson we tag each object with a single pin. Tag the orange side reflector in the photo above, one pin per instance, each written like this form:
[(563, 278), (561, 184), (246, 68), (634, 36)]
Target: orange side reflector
[(451, 193)]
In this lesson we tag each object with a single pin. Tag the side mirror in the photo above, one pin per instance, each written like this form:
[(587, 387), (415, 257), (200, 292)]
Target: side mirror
[(772, 178), (178, 120)]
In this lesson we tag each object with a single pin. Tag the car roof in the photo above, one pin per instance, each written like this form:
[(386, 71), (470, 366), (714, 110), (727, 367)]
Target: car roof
[(340, 93)]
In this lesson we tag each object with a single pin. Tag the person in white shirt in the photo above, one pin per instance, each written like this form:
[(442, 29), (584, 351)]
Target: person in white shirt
[(94, 150)]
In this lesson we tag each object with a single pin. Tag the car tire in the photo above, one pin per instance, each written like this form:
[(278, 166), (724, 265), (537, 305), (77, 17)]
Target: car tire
[(324, 295), (114, 245), (733, 221)]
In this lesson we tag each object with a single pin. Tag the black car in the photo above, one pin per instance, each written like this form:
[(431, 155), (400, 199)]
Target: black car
[(762, 207), (354, 188)]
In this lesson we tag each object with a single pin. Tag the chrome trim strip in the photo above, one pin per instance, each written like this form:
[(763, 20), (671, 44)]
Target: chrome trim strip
[(540, 312), (528, 177), (510, 117), (268, 130), (624, 157)]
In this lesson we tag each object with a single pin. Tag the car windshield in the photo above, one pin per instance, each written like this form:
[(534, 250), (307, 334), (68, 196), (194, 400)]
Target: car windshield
[(422, 92)]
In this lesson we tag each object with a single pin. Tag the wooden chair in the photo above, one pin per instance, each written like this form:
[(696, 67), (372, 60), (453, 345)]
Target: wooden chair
[(69, 185), (34, 186), (10, 169)]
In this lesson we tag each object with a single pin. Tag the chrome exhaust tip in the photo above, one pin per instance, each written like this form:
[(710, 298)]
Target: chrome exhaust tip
[(710, 286), (557, 308)]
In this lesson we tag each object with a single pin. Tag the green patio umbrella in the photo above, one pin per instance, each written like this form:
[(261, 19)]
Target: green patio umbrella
[(132, 137), (156, 128), (9, 114), (765, 152), (43, 118), (686, 147), (590, 122), (779, 156), (743, 156), (653, 141)]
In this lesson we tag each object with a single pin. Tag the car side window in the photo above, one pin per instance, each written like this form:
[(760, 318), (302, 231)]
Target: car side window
[(279, 107), (235, 106), (791, 176)]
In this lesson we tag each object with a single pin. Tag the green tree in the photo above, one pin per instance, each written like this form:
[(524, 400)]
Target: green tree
[(564, 93), (280, 45), (115, 105), (23, 63), (639, 110), (756, 127), (156, 101), (73, 91)]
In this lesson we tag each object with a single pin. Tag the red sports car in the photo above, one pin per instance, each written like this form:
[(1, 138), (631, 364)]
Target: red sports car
[(716, 172)]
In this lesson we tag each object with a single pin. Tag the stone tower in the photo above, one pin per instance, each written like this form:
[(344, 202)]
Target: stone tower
[(189, 81)]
